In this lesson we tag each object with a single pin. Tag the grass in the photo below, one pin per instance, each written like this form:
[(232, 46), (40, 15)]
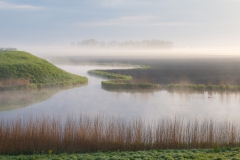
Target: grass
[(127, 85), (145, 67), (122, 81), (21, 70), (99, 133), (104, 74), (126, 82), (203, 87), (200, 154), (164, 71)]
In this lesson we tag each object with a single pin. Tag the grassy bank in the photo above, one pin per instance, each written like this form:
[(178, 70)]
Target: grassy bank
[(200, 154), (21, 70), (127, 85), (164, 71), (99, 133), (122, 81), (104, 74), (203, 87)]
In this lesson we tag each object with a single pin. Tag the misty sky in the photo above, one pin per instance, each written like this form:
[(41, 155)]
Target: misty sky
[(187, 23)]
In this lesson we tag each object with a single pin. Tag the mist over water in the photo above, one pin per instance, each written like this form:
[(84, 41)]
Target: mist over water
[(92, 100), (174, 52)]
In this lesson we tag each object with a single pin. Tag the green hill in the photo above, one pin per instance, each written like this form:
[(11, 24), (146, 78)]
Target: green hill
[(21, 69)]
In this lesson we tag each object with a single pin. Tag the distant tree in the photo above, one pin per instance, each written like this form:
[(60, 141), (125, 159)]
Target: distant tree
[(154, 43)]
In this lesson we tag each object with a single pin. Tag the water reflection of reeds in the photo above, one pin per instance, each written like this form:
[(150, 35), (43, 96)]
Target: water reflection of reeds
[(21, 98), (101, 133)]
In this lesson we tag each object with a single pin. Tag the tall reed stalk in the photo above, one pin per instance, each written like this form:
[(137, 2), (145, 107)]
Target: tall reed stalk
[(100, 133)]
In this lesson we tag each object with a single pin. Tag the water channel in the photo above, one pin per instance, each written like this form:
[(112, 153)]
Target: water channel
[(91, 99)]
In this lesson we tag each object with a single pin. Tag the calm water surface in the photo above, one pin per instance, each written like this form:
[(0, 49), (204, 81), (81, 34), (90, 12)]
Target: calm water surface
[(91, 99)]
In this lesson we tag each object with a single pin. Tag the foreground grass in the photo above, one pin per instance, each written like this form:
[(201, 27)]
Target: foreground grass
[(20, 70), (200, 154)]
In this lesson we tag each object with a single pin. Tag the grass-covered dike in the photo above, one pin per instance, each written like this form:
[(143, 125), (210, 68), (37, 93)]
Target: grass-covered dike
[(22, 70)]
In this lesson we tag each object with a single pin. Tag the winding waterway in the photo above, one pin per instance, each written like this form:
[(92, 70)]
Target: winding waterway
[(91, 99)]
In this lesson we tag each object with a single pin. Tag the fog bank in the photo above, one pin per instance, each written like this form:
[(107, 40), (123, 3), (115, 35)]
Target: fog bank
[(49, 51)]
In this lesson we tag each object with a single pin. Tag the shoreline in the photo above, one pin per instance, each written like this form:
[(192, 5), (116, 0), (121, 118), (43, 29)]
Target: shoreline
[(81, 81), (125, 82)]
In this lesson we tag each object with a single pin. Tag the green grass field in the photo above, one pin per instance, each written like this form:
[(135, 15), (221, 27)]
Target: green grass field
[(18, 68), (199, 154)]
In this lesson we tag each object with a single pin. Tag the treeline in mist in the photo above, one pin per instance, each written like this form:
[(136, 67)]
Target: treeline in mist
[(154, 43)]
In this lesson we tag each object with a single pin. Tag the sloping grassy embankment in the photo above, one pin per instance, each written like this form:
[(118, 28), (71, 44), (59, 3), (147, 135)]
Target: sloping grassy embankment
[(21, 70)]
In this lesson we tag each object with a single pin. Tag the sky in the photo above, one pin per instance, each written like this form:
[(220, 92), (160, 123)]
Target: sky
[(187, 23)]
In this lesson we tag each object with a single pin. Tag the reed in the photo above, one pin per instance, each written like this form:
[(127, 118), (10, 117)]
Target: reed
[(202, 87), (100, 133), (22, 84), (128, 85), (102, 73), (14, 82)]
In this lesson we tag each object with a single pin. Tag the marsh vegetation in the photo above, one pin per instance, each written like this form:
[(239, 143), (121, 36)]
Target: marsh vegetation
[(214, 74), (202, 87), (103, 133), (121, 82), (207, 71)]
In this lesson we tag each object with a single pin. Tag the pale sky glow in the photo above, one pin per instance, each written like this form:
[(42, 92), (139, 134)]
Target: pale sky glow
[(187, 23), (9, 6), (133, 20)]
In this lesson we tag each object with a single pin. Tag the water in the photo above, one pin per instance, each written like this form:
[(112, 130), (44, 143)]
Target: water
[(91, 100)]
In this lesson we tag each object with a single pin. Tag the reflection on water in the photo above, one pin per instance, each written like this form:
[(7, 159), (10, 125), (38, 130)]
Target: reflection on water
[(91, 99), (133, 91), (16, 99)]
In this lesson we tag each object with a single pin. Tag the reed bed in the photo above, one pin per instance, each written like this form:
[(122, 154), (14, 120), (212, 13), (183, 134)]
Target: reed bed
[(128, 85), (202, 87), (101, 133), (15, 82)]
